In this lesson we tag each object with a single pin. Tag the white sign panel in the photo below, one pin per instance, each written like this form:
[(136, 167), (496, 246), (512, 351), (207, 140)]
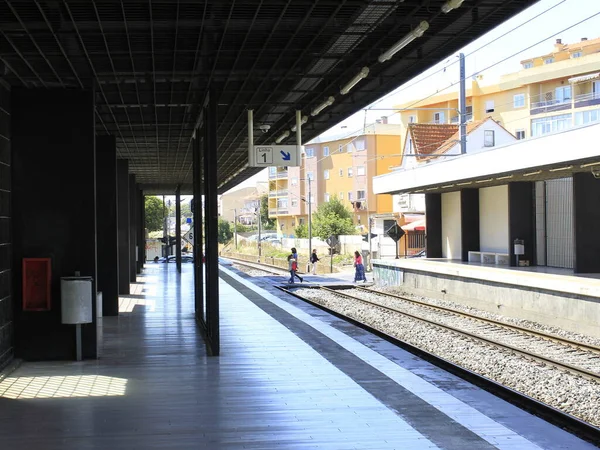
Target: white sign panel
[(189, 237), (275, 155)]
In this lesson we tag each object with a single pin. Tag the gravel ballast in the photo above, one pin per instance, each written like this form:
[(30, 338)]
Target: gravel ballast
[(565, 391)]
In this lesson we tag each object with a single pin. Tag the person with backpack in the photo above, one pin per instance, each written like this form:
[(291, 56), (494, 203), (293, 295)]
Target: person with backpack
[(293, 266), (314, 259)]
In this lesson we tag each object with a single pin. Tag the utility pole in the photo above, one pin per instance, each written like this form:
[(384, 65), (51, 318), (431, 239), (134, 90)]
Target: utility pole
[(370, 265), (259, 232), (462, 106), (235, 219), (309, 218)]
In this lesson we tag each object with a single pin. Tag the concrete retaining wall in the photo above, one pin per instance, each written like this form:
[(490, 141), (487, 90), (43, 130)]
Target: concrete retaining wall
[(537, 299)]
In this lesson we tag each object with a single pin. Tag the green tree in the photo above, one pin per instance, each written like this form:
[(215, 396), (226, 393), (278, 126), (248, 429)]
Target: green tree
[(332, 218), (267, 224), (301, 231), (155, 213), (225, 232)]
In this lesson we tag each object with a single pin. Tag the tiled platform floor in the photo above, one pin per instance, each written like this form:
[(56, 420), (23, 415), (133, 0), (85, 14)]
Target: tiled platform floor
[(290, 377)]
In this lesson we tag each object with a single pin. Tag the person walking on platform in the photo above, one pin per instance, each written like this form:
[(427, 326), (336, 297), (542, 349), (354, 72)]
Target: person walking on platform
[(359, 273), (314, 259), (293, 266)]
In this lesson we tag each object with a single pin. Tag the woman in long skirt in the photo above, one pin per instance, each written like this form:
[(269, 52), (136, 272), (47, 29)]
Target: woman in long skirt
[(359, 274)]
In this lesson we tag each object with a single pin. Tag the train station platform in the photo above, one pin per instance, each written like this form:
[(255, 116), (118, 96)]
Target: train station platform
[(290, 376), (554, 297)]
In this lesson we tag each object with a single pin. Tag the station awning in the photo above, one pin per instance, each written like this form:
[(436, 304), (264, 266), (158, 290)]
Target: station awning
[(417, 225), (580, 79)]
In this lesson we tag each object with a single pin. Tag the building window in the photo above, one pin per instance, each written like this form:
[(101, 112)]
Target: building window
[(272, 170), (309, 176), (360, 170), (519, 100), (293, 223), (282, 203), (341, 172), (326, 196), (301, 221), (340, 148), (350, 196), (360, 195), (438, 117), (548, 60), (310, 152), (294, 181), (412, 119), (520, 134), (563, 94), (540, 127), (350, 172), (488, 138), (583, 117), (489, 106), (341, 196), (359, 144), (325, 151), (294, 202), (326, 174), (576, 55), (528, 65), (349, 146)]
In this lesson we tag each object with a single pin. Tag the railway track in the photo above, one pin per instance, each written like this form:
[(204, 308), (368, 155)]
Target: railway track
[(581, 368), (271, 270), (590, 352)]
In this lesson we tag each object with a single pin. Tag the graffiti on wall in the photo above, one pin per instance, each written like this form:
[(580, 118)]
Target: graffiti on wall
[(388, 275)]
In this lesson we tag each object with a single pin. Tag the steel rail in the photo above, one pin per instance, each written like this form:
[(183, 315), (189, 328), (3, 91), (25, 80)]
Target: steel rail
[(560, 365), (551, 337), (550, 413)]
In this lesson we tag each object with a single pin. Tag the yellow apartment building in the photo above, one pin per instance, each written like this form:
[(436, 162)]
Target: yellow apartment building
[(550, 93), (343, 168)]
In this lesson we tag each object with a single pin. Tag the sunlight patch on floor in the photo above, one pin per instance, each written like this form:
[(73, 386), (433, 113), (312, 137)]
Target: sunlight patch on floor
[(62, 387), (127, 304)]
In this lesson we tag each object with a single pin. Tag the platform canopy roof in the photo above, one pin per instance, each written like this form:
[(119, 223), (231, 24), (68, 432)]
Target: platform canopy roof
[(151, 63)]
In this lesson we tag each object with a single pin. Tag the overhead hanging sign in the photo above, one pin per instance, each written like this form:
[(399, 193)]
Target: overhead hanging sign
[(274, 155)]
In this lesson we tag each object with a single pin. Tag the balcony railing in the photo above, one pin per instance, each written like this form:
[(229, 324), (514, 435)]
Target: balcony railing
[(455, 119), (278, 174), (278, 193), (550, 105), (587, 99), (278, 211)]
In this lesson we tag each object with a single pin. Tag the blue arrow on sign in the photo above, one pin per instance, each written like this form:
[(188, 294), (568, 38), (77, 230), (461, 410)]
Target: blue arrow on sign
[(285, 155)]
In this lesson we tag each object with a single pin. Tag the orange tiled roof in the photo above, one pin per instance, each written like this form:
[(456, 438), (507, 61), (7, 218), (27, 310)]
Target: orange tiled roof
[(432, 140), (428, 137), (567, 47)]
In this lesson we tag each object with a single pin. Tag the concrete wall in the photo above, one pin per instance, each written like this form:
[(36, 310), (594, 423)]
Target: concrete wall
[(493, 219), (6, 273), (451, 226), (569, 303)]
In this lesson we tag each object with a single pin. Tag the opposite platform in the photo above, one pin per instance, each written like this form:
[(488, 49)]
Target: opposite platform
[(290, 376)]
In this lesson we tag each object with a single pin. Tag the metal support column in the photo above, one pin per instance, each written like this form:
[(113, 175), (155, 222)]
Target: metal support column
[(132, 229), (123, 224), (211, 223), (178, 228), (197, 212), (141, 231)]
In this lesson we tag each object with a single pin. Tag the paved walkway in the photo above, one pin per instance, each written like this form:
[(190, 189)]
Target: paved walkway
[(290, 377)]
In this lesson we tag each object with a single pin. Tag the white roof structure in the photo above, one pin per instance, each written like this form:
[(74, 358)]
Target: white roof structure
[(551, 156)]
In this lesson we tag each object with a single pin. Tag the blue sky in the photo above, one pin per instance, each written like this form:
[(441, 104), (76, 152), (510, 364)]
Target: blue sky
[(547, 27)]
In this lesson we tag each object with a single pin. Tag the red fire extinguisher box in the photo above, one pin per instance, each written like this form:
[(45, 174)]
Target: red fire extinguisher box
[(37, 276)]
